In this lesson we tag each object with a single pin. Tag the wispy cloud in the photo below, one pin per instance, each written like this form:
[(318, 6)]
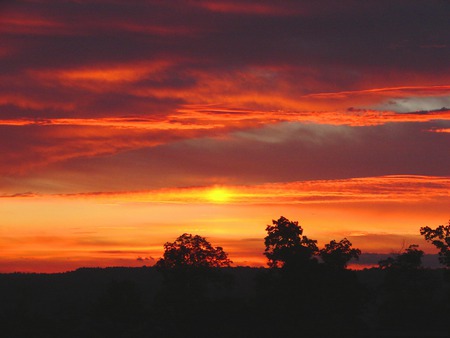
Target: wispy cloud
[(397, 189), (250, 8), (216, 116), (440, 130)]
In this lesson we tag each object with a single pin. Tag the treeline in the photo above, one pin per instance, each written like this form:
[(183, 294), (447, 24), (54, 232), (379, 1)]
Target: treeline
[(192, 291)]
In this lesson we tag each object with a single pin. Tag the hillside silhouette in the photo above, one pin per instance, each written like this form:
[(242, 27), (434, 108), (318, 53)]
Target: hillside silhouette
[(193, 292)]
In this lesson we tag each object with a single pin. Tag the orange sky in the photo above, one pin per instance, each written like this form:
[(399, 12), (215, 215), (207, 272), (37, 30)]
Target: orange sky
[(125, 124)]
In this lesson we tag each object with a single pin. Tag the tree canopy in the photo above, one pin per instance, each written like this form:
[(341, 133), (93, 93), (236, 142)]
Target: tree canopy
[(286, 245), (440, 238), (411, 258), (192, 251), (338, 254)]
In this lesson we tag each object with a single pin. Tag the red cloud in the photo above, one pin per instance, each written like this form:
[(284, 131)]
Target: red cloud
[(251, 8)]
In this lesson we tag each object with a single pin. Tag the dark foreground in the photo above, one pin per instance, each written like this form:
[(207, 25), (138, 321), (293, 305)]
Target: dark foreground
[(228, 302)]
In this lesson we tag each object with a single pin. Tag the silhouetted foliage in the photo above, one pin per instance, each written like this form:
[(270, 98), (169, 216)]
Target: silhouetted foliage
[(407, 295), (286, 246), (411, 258), (194, 252), (192, 279), (440, 238), (189, 265), (338, 254), (310, 299)]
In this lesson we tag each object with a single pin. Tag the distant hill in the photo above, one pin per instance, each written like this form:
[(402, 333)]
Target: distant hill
[(131, 302)]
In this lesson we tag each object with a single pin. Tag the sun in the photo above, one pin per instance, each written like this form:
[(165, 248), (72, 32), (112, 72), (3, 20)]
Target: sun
[(219, 195)]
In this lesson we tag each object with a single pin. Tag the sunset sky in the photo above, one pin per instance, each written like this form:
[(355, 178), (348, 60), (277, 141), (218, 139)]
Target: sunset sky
[(124, 124)]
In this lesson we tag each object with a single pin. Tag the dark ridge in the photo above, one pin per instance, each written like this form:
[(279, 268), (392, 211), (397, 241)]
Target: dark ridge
[(241, 302)]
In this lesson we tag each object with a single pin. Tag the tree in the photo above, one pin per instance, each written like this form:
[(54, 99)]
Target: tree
[(188, 268), (193, 252), (406, 297), (191, 279), (410, 259), (286, 246), (440, 238), (338, 254), (323, 299)]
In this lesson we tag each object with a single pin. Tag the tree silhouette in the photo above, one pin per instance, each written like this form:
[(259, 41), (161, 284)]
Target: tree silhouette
[(406, 296), (308, 298), (411, 258), (440, 238), (186, 304), (188, 266), (192, 252), (286, 246), (338, 254)]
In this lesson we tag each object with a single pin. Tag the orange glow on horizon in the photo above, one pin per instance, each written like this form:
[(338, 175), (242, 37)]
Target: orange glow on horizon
[(101, 229)]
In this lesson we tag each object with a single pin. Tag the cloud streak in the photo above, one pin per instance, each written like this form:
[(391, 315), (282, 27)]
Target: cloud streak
[(396, 189)]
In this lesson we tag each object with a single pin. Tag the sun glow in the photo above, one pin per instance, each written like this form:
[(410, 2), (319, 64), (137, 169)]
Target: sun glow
[(219, 195)]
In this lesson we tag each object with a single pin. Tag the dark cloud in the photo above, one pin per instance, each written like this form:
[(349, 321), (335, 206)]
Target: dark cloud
[(292, 152), (89, 59), (279, 153), (358, 35)]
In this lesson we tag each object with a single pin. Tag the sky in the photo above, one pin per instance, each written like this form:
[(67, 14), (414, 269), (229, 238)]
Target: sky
[(124, 124)]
